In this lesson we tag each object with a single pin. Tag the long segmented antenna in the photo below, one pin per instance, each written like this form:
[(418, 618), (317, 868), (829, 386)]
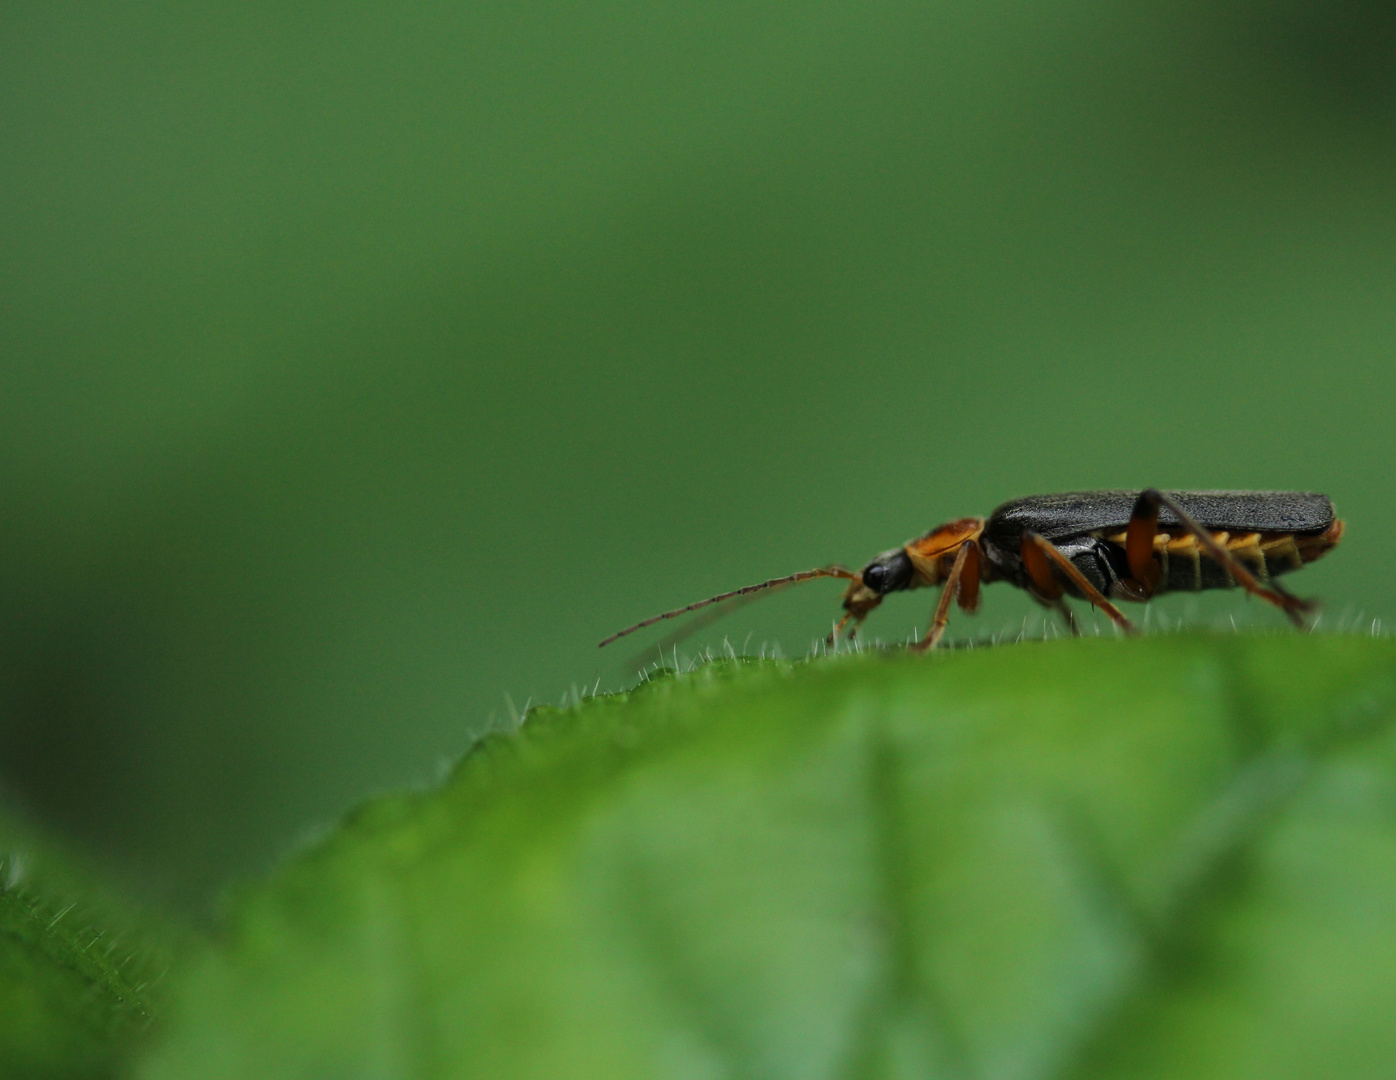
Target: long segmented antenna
[(789, 579), (695, 624)]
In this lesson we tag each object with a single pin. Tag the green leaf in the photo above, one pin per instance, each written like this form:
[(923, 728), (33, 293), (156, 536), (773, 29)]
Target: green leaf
[(1161, 857), (79, 972)]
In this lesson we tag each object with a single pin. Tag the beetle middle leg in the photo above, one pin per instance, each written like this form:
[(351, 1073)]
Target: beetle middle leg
[(1146, 511), (1037, 549), (1058, 605), (1068, 616)]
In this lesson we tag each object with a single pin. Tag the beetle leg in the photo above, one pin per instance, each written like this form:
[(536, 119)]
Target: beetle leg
[(1139, 545), (833, 635), (1291, 605), (947, 593), (968, 596), (1068, 616), (1032, 540), (1058, 605), (1040, 571)]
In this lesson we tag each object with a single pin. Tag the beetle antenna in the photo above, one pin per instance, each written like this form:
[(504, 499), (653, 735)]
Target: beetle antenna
[(745, 590), (693, 625)]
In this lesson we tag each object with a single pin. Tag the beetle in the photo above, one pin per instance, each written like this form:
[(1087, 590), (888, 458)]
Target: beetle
[(1097, 546)]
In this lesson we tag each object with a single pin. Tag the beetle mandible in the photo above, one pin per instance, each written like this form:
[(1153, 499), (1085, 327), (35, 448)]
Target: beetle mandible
[(1092, 545)]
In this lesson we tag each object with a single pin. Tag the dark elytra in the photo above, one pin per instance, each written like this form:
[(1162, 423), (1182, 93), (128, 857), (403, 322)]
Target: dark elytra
[(1074, 512)]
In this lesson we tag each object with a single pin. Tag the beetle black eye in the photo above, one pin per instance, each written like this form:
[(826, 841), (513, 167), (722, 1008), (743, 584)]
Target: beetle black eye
[(888, 572), (875, 577)]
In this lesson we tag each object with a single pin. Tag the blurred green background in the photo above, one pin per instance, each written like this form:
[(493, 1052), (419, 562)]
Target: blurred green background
[(363, 364)]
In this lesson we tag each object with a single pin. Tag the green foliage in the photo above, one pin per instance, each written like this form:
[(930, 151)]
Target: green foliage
[(1161, 857), (364, 361), (78, 977)]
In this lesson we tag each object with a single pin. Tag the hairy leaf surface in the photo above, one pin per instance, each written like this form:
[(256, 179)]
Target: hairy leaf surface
[(79, 973), (1160, 857)]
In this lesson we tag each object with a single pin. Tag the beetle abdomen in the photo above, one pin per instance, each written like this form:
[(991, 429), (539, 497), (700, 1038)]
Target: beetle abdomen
[(1185, 565)]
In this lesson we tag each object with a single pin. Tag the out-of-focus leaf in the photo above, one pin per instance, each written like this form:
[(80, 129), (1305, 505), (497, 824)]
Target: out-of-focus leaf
[(1164, 857), (78, 972)]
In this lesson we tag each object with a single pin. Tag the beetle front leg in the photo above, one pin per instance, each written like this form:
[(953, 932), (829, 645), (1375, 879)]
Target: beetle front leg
[(966, 566)]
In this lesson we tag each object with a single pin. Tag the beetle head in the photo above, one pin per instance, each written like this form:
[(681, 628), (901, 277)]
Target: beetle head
[(888, 572)]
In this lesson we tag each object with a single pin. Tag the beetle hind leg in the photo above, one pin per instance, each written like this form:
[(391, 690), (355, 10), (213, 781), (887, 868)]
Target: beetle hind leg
[(1139, 549), (1151, 499)]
